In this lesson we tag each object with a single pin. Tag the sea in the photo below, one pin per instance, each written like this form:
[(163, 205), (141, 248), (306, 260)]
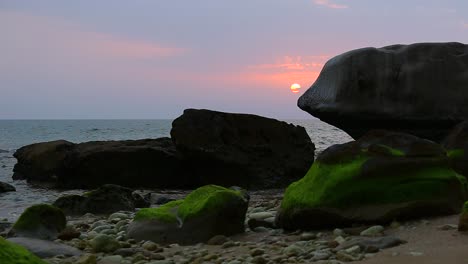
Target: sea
[(17, 133)]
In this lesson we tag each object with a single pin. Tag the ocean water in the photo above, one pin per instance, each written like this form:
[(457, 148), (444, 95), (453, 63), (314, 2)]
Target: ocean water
[(17, 133)]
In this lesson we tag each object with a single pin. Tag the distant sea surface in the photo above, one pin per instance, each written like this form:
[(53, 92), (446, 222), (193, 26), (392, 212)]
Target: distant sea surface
[(17, 133)]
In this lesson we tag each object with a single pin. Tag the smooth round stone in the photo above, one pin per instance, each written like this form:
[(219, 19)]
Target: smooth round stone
[(116, 259), (119, 216), (261, 215), (150, 246), (104, 243), (373, 231)]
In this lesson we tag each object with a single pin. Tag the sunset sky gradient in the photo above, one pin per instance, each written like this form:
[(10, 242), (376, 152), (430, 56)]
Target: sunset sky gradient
[(154, 58)]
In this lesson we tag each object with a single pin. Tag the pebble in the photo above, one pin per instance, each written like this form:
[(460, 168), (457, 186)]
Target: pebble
[(373, 231), (257, 252), (306, 236), (293, 250), (416, 254), (150, 246), (340, 240), (115, 259), (104, 243)]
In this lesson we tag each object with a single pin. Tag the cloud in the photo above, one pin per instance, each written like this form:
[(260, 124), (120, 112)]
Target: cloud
[(329, 4), (464, 25)]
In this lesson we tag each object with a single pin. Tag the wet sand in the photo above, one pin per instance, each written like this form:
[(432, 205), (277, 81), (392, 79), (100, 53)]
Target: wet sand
[(427, 244)]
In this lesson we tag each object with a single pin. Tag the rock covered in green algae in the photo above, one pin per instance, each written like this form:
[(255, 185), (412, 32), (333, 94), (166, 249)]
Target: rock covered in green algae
[(456, 144), (207, 211), (40, 221), (381, 177), (463, 221), (11, 253)]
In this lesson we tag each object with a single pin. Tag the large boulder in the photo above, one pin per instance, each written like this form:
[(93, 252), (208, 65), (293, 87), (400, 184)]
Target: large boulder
[(13, 253), (242, 149), (130, 163), (419, 89), (456, 144), (208, 211), (41, 221), (106, 199), (379, 178)]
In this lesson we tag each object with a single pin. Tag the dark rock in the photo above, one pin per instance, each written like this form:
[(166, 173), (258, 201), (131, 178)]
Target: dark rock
[(254, 223), (41, 221), (131, 163), (419, 89), (45, 248), (217, 240), (456, 144), (206, 212), (105, 200), (11, 253), (379, 178), (241, 149), (69, 233), (5, 187), (371, 245)]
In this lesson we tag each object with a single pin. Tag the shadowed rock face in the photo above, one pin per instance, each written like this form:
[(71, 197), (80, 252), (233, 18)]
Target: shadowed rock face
[(420, 89), (242, 149)]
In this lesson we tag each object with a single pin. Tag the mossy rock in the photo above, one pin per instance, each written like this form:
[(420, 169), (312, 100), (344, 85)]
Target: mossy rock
[(207, 211), (463, 220), (42, 221), (368, 186), (11, 253)]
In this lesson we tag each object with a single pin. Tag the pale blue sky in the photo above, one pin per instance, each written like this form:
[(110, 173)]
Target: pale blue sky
[(152, 59)]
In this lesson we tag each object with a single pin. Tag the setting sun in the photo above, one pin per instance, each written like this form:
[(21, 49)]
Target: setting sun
[(295, 87)]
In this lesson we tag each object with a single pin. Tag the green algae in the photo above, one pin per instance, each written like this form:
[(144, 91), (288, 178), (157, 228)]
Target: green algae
[(342, 185), (205, 199), (12, 253), (393, 151), (465, 208), (41, 215), (455, 153), (166, 213), (202, 200)]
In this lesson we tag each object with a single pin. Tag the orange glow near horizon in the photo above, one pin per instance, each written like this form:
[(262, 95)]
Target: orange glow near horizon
[(295, 87)]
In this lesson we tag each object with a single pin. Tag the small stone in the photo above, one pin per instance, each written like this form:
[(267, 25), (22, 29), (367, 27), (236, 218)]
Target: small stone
[(69, 233), (416, 254), (338, 232), (87, 259), (119, 216), (257, 252), (340, 240), (343, 256), (447, 227), (150, 246), (115, 259), (293, 250), (104, 243), (353, 250), (259, 260), (306, 236), (321, 255), (217, 240), (229, 244), (373, 231)]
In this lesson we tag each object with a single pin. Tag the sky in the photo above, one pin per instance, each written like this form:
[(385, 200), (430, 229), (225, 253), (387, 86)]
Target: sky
[(150, 59)]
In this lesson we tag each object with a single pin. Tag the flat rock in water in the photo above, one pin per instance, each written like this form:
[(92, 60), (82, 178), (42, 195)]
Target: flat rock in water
[(394, 88), (45, 248)]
